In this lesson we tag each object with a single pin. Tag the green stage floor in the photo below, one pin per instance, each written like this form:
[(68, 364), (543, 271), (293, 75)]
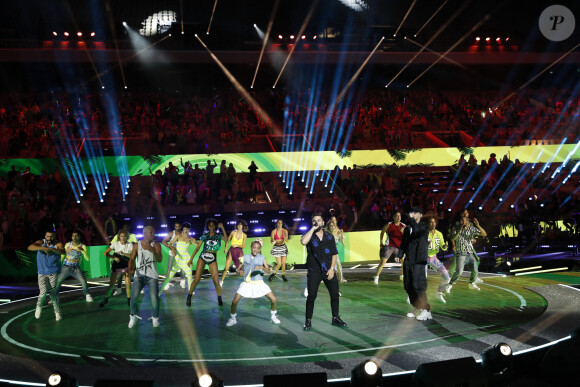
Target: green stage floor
[(198, 336)]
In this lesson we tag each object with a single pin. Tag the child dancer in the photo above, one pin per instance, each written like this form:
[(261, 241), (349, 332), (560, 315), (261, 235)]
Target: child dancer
[(253, 285)]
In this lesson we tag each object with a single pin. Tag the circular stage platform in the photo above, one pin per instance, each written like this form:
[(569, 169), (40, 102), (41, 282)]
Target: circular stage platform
[(92, 343)]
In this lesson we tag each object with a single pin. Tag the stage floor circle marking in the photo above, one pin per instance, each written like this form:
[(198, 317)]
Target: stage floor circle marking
[(5, 335)]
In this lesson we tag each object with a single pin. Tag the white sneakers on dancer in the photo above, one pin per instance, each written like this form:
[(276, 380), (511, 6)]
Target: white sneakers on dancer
[(473, 286), (232, 321), (221, 283), (376, 279), (89, 298), (117, 292), (38, 312), (424, 315), (400, 277), (168, 286), (133, 320), (478, 281), (57, 316), (182, 283), (155, 321), (448, 288), (305, 292), (439, 296), (274, 317), (414, 313)]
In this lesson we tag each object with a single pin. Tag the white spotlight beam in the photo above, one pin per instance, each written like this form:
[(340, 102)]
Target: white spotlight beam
[(274, 9), (468, 33), (430, 40), (436, 53), (355, 76), (298, 37), (405, 17), (432, 16), (211, 18), (267, 119)]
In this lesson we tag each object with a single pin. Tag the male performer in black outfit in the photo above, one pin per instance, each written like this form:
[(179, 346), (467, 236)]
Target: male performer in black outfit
[(321, 263), (415, 247)]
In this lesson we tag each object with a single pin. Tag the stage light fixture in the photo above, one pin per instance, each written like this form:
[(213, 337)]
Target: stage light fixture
[(512, 206), (507, 39), (314, 37), (280, 37), (66, 34), (124, 24), (477, 39), (501, 199), (54, 33), (79, 34), (497, 39), (480, 208), (292, 37), (440, 203), (487, 39), (60, 379), (255, 25), (303, 36), (208, 380), (497, 359), (367, 373), (92, 34)]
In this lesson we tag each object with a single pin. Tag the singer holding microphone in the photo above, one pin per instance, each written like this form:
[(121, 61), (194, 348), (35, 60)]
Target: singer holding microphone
[(321, 260)]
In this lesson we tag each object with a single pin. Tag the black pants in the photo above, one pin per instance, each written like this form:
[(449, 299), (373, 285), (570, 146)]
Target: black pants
[(313, 282), (415, 282)]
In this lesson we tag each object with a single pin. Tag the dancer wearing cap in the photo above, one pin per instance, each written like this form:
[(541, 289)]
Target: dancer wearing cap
[(463, 238), (414, 246), (253, 285)]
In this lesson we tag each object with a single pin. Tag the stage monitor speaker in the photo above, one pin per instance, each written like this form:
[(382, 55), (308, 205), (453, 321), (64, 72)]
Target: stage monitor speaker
[(457, 372), (124, 383), (294, 380)]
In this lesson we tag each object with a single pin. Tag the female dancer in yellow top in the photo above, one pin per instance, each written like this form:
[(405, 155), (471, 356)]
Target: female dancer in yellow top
[(180, 255), (237, 241)]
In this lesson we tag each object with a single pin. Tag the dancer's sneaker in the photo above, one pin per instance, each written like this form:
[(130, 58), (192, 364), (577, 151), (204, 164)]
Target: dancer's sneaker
[(221, 283), (154, 321), (474, 286), (344, 280), (408, 300), (307, 325), (133, 319), (89, 298), (413, 313), (232, 321), (188, 302), (376, 279), (424, 315), (337, 321), (142, 291), (448, 288), (104, 302), (117, 292), (38, 312), (478, 281), (220, 302), (271, 278), (57, 316), (275, 319), (284, 278), (305, 292), (182, 284), (167, 287), (400, 277), (439, 296)]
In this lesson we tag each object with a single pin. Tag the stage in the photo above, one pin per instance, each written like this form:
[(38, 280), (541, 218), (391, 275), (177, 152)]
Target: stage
[(92, 343)]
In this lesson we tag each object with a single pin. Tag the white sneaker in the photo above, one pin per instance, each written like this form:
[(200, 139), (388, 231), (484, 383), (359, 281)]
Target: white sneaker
[(401, 277), (413, 313), (221, 283), (143, 291), (474, 286), (376, 280), (424, 315), (89, 298), (408, 300), (478, 281), (38, 312), (344, 280), (117, 292), (275, 319), (155, 321), (182, 284), (166, 287), (57, 316), (305, 292), (232, 321), (439, 296), (448, 288), (133, 319)]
